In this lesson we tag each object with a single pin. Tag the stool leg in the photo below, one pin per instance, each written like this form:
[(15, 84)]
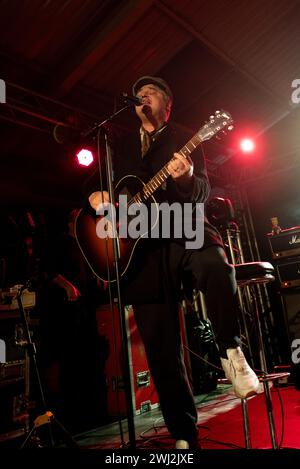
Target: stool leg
[(246, 423), (245, 327), (263, 365), (269, 407)]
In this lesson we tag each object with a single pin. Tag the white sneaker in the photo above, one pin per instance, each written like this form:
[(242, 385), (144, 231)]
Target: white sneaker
[(238, 372), (182, 444)]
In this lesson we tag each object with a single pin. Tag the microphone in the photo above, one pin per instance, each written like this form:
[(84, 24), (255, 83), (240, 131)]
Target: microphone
[(64, 133), (134, 100)]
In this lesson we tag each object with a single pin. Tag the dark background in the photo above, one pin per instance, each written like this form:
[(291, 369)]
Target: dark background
[(65, 64)]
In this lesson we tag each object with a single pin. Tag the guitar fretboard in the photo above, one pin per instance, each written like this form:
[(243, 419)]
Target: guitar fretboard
[(164, 173)]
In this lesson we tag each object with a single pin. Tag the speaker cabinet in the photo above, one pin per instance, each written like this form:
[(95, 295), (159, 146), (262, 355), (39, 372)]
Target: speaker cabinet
[(13, 398), (289, 273), (291, 302), (11, 333)]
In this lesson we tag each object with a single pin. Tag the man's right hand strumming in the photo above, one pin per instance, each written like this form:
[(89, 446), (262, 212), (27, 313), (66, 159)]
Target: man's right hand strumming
[(97, 198)]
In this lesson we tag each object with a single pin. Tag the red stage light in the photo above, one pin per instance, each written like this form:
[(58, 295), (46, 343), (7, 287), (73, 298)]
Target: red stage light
[(247, 145), (85, 157)]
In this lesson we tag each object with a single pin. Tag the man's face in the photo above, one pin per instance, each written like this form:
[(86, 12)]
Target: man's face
[(155, 103)]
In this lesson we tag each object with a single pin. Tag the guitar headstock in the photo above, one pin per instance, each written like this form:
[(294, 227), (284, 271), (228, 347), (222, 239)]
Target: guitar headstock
[(219, 122)]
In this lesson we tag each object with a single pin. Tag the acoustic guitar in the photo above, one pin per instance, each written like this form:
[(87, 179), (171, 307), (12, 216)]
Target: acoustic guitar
[(99, 250)]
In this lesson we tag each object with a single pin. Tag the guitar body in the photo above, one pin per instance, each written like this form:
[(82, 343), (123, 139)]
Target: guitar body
[(99, 252)]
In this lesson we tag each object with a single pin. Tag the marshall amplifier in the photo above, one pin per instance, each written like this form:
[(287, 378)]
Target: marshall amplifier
[(286, 243), (289, 273)]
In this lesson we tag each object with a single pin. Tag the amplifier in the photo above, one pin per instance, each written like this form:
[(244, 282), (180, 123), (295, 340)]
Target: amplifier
[(11, 337), (291, 304), (289, 273), (12, 372), (286, 243)]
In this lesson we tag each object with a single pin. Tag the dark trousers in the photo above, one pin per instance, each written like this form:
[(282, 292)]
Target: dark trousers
[(210, 272), (158, 324)]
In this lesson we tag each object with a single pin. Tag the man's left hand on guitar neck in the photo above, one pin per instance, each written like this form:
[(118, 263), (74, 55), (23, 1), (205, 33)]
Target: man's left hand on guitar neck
[(181, 170)]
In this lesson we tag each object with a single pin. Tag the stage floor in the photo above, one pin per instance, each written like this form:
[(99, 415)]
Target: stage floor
[(220, 424)]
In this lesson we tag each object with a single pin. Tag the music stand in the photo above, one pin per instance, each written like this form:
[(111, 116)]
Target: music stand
[(46, 417)]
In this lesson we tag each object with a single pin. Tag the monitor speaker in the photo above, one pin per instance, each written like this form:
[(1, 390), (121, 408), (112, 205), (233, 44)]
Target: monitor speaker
[(291, 302)]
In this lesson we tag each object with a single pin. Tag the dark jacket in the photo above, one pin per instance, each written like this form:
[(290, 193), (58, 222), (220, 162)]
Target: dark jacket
[(145, 276)]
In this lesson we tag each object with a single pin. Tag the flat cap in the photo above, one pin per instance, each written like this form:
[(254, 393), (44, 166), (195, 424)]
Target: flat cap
[(157, 81)]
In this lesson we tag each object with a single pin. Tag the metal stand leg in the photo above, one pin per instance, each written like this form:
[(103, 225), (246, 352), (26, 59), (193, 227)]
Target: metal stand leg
[(246, 423), (263, 366)]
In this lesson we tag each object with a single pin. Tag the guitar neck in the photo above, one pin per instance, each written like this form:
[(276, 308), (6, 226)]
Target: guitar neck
[(164, 173), (217, 123)]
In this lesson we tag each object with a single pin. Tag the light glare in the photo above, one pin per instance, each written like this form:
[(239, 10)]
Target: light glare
[(247, 145), (85, 157)]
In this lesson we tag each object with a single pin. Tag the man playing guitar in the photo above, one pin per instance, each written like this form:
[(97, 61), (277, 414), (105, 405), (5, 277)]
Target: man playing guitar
[(153, 279)]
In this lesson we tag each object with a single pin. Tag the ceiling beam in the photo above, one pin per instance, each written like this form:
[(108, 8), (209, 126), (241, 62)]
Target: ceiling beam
[(219, 52), (96, 47)]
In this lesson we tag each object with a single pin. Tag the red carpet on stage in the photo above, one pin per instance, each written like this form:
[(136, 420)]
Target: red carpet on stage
[(224, 427), (220, 423)]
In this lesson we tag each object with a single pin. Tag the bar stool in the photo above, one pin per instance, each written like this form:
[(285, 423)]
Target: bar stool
[(249, 275)]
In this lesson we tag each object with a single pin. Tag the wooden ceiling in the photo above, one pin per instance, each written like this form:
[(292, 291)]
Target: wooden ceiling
[(71, 59)]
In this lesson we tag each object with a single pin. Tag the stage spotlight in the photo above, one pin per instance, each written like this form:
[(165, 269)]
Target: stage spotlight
[(247, 145), (85, 157)]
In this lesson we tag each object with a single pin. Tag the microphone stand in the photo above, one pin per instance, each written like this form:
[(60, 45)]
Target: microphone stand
[(129, 103), (124, 348), (47, 417)]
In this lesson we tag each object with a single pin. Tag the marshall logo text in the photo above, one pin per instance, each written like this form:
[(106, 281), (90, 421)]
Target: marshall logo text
[(295, 240)]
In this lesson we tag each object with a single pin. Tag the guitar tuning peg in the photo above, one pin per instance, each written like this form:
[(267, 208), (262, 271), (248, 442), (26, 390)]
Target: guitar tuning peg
[(217, 113), (211, 118), (230, 127)]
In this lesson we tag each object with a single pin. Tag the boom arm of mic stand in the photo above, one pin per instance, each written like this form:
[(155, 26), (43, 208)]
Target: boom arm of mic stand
[(98, 126)]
